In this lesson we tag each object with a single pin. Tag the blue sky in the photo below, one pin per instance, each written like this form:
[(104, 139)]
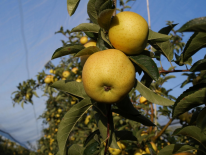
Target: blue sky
[(40, 20)]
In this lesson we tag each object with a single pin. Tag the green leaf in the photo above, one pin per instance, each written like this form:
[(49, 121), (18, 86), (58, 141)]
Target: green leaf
[(193, 97), (146, 80), (98, 4), (92, 11), (175, 148), (194, 25), (72, 6), (194, 44), (157, 37), (87, 51), (91, 136), (106, 5), (86, 27), (151, 96), (127, 106), (34, 92), (72, 87), (105, 38), (92, 35), (201, 120), (69, 121), (70, 49), (22, 104), (125, 135), (137, 118), (100, 42), (193, 132), (91, 149), (147, 64), (166, 30), (165, 47), (198, 66), (104, 18), (75, 149), (101, 119)]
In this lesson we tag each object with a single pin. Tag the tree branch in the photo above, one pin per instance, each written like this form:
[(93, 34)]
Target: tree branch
[(163, 130)]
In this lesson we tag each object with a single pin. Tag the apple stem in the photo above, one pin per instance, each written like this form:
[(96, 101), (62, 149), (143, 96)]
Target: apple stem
[(108, 126)]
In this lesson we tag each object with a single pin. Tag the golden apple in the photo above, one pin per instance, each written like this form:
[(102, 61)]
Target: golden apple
[(73, 102), (87, 119), (142, 99), (128, 32), (83, 40), (28, 96), (114, 151), (65, 74), (59, 110), (139, 152), (49, 79), (74, 70), (108, 76), (51, 71), (90, 43), (79, 79), (153, 146)]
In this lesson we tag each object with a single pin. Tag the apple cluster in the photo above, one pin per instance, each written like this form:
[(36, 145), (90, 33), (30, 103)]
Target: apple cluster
[(109, 75)]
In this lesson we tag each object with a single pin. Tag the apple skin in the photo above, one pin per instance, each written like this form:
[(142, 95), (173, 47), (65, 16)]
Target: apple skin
[(153, 146), (128, 32), (83, 40), (108, 76)]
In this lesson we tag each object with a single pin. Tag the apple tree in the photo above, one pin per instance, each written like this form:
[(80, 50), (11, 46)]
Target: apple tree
[(126, 126)]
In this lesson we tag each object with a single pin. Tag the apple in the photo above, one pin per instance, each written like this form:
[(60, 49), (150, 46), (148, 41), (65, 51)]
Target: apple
[(79, 79), (74, 70), (59, 110), (128, 32), (142, 99), (51, 71), (114, 151), (49, 79), (108, 76), (65, 74), (28, 96), (83, 40), (153, 146), (139, 152)]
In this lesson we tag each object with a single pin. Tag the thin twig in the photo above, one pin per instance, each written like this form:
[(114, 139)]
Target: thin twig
[(163, 130), (164, 71)]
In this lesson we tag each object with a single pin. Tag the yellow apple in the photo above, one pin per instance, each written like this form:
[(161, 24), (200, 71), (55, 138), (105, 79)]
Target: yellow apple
[(79, 79), (114, 151), (87, 119), (153, 146), (144, 133), (49, 79), (59, 110), (90, 43), (65, 74), (108, 76), (64, 78), (28, 96), (73, 102), (128, 32), (142, 99), (56, 130), (83, 40), (51, 71), (74, 70), (139, 152)]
